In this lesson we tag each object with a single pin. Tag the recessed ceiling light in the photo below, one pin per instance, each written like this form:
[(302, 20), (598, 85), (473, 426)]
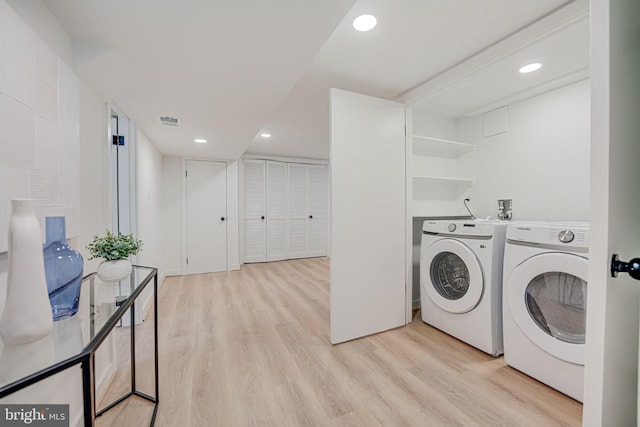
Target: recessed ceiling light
[(265, 135), (530, 67), (365, 22), (200, 141)]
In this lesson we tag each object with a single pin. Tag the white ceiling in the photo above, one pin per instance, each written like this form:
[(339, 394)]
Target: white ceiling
[(233, 69)]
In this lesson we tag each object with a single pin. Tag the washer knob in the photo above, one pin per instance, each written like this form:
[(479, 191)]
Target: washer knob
[(452, 227), (566, 236)]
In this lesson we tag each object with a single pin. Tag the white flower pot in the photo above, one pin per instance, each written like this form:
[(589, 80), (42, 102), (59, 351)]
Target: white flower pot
[(112, 271)]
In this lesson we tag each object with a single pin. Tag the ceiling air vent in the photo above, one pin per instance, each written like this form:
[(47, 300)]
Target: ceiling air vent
[(170, 121)]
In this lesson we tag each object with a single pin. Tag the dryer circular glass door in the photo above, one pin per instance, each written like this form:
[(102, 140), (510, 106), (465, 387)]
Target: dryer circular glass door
[(547, 297), (452, 276)]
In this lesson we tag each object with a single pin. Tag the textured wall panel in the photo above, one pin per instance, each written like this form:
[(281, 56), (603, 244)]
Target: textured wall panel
[(18, 64), (47, 146), (17, 133), (19, 189), (39, 127), (46, 188)]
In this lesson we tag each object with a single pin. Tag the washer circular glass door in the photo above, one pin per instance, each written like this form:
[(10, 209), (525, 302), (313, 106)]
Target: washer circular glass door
[(547, 297), (451, 276)]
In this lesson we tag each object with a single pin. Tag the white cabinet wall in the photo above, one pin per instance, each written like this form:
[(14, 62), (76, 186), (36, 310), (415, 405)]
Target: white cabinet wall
[(285, 210)]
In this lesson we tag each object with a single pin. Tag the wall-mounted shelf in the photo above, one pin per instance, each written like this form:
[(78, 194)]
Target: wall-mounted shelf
[(444, 180), (438, 147)]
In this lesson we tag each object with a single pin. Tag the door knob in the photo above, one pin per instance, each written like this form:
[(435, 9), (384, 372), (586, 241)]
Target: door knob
[(262, 217), (310, 216), (632, 267), (221, 218)]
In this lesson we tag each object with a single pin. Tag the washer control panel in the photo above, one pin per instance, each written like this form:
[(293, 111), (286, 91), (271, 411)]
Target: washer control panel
[(566, 236), (477, 228)]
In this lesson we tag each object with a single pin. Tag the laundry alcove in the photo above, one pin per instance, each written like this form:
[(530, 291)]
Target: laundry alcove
[(536, 153)]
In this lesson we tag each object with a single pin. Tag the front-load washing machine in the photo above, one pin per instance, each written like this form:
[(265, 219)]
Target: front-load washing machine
[(461, 278), (544, 302)]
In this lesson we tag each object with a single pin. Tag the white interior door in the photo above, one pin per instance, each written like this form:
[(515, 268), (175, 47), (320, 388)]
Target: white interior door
[(611, 363), (368, 175), (297, 211), (318, 200), (206, 216), (276, 211), (255, 237)]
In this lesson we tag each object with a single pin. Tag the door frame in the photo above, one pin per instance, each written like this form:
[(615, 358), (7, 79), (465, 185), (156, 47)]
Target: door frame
[(130, 146), (231, 177)]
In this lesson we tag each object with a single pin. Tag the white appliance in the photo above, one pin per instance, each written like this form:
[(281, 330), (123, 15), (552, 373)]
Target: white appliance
[(461, 278), (544, 303)]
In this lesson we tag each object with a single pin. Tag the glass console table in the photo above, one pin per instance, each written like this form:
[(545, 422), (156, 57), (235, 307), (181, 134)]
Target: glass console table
[(75, 341)]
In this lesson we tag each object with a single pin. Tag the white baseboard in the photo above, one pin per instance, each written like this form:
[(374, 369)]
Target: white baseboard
[(174, 272), (77, 420), (235, 267)]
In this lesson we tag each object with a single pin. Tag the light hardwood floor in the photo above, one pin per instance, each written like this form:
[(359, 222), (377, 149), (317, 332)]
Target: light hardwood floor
[(251, 348)]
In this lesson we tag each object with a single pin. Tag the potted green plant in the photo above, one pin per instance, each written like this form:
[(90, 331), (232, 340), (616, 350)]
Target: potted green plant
[(115, 250)]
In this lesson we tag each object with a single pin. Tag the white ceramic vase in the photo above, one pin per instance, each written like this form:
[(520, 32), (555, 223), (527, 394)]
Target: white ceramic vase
[(27, 312), (112, 271)]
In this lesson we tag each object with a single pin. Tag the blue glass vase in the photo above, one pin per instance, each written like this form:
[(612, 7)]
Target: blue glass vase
[(63, 269)]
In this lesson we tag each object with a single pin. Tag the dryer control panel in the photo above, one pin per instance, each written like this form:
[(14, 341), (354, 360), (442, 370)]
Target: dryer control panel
[(570, 235)]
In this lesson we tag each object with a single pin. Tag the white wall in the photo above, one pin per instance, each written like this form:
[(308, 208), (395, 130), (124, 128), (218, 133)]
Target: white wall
[(93, 194), (149, 205), (542, 162), (172, 214), (94, 172), (149, 201), (45, 25)]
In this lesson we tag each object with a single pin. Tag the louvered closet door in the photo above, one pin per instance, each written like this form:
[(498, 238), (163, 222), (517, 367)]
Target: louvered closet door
[(276, 211), (297, 211), (318, 201), (254, 211)]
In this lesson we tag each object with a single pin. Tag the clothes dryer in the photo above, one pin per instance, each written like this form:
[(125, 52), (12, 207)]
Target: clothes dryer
[(544, 303), (460, 280)]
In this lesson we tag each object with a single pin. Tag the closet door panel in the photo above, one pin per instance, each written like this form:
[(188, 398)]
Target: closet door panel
[(254, 211), (297, 191), (317, 237), (297, 236), (254, 241), (276, 211), (318, 199), (297, 240)]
